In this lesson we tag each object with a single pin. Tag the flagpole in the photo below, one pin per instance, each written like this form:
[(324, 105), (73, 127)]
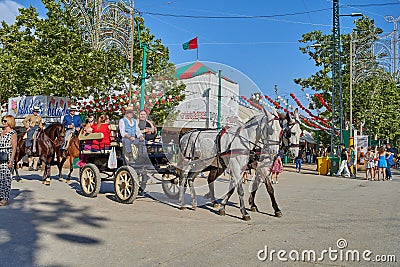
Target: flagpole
[(197, 54)]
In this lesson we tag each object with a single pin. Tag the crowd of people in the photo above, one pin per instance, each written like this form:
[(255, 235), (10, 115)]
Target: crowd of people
[(132, 131), (378, 162)]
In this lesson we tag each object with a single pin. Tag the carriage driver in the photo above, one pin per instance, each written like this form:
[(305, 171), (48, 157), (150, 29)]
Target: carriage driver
[(71, 122), (130, 131), (32, 122)]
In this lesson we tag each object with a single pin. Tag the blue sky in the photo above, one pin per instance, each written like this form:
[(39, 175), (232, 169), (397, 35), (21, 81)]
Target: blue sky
[(264, 49)]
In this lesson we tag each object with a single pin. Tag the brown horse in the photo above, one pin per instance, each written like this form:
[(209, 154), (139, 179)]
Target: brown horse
[(48, 144), (72, 152)]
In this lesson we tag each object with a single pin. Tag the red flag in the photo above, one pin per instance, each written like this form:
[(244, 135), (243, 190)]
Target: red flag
[(192, 44)]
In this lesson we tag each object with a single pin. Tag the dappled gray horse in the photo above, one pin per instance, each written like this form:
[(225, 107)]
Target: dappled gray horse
[(290, 140), (230, 148)]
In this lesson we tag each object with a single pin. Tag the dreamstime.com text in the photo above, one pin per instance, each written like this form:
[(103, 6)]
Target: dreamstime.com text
[(338, 253)]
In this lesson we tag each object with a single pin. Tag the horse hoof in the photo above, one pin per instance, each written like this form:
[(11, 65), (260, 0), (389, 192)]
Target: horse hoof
[(182, 208), (246, 217), (60, 179), (215, 205), (254, 209), (278, 213), (67, 180), (222, 212), (194, 207)]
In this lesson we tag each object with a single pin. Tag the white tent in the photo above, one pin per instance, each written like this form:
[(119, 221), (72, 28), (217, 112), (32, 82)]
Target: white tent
[(307, 137), (200, 107)]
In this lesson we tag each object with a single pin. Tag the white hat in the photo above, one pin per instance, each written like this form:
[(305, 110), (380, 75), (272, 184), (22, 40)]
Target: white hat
[(73, 108), (36, 109)]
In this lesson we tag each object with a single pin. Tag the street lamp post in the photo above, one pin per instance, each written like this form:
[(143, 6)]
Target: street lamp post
[(351, 85), (336, 78), (144, 63), (143, 80), (145, 47), (337, 90)]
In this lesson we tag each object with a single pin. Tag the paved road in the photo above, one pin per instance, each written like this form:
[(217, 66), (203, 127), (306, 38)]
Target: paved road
[(56, 226)]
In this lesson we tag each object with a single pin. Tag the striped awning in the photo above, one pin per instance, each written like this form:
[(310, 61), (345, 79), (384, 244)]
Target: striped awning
[(195, 69)]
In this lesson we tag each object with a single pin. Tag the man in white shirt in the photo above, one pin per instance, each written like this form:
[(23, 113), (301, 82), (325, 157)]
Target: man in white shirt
[(132, 137)]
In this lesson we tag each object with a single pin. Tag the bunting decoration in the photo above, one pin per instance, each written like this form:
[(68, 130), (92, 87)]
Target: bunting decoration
[(313, 122), (324, 122), (319, 96)]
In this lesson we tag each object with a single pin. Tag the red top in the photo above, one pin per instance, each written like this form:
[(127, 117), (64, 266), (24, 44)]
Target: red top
[(105, 142)]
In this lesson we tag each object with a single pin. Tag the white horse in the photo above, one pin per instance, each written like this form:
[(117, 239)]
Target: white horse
[(229, 148), (290, 141), (291, 133)]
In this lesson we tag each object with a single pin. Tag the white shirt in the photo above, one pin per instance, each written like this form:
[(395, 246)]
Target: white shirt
[(121, 125)]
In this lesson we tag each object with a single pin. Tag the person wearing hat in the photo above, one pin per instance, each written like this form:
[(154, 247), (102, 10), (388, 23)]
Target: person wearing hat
[(72, 122), (344, 165), (32, 122), (131, 134)]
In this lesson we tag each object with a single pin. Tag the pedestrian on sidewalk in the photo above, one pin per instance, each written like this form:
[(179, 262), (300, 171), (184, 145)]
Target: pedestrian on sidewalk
[(382, 164), (345, 160), (389, 161), (299, 159), (276, 169), (370, 164), (353, 162), (8, 148)]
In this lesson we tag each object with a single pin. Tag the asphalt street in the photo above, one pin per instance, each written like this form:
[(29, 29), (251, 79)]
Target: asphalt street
[(57, 226)]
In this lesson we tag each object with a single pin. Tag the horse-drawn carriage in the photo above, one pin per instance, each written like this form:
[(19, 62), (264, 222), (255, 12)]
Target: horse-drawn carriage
[(129, 177), (232, 147)]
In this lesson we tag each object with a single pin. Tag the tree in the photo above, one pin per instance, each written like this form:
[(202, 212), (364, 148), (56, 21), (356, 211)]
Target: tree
[(47, 56), (375, 95)]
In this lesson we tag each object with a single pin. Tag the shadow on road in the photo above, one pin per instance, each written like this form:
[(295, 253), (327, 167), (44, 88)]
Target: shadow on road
[(23, 219)]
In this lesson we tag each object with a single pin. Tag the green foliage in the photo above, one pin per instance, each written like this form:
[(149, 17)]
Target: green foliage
[(375, 95), (47, 56), (166, 82)]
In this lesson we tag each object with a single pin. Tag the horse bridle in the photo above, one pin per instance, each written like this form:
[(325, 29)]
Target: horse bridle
[(59, 134), (256, 145)]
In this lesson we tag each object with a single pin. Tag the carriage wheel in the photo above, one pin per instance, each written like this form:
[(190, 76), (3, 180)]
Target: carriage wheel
[(170, 186), (126, 185), (90, 180)]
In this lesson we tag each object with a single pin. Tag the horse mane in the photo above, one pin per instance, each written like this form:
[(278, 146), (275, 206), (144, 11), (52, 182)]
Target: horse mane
[(257, 118), (51, 126)]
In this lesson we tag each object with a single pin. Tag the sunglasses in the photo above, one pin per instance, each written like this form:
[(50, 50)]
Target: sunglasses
[(4, 121)]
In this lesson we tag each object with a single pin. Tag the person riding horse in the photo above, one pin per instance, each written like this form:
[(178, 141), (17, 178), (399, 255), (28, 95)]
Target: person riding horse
[(71, 122), (32, 122)]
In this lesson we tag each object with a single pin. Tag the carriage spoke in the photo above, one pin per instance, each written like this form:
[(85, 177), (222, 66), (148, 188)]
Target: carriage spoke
[(89, 180), (91, 187), (124, 187)]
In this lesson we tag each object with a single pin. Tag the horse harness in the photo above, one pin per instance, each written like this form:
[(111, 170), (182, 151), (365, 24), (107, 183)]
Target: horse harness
[(254, 154), (287, 133)]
